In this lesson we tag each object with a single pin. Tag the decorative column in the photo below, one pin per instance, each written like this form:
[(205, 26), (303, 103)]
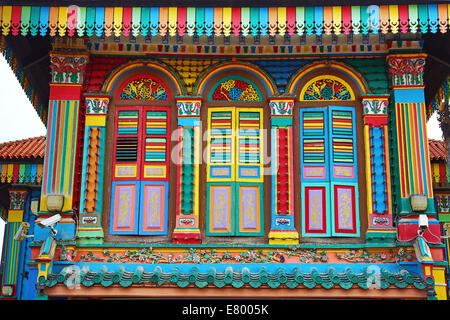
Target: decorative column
[(188, 178), (11, 247), (67, 76), (282, 230), (91, 200), (378, 178), (413, 169)]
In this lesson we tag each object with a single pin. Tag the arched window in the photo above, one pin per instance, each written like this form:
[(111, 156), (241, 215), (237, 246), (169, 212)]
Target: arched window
[(331, 169), (235, 117), (140, 121)]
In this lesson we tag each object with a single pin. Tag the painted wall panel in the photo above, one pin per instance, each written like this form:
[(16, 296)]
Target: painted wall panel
[(250, 209), (154, 207), (220, 217)]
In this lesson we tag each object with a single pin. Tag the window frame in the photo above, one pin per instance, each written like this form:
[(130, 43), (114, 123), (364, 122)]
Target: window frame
[(299, 201), (171, 171)]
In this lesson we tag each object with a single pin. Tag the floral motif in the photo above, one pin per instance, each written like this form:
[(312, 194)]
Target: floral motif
[(96, 105), (17, 200), (281, 108), (188, 108), (235, 90), (327, 90), (407, 71), (67, 69), (375, 106), (364, 256), (193, 255), (144, 89)]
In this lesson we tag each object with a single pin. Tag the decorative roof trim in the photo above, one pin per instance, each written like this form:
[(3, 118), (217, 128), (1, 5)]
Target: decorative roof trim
[(237, 278), (30, 148), (438, 150), (236, 21)]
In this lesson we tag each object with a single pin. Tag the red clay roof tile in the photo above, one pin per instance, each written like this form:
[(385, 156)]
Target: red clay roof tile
[(31, 148), (438, 149)]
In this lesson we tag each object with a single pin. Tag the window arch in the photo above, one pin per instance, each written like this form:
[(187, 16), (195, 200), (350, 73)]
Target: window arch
[(330, 170), (140, 121), (235, 115), (326, 88)]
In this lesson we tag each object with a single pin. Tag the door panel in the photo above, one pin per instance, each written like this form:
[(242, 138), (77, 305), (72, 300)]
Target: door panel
[(154, 207), (314, 145), (250, 209), (156, 138), (316, 209), (139, 202), (125, 207), (126, 161), (249, 145), (221, 144), (220, 217), (235, 202), (345, 210), (329, 177)]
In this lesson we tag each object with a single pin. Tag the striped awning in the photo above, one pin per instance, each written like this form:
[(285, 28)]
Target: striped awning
[(223, 21)]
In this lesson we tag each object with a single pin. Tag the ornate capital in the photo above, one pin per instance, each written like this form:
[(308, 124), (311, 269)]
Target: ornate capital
[(282, 106), (189, 106), (17, 199), (68, 68), (375, 105), (406, 69), (96, 103)]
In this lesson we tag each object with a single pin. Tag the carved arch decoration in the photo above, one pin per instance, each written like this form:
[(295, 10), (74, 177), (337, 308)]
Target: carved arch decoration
[(215, 70), (333, 65), (326, 88), (159, 66), (235, 88), (143, 88)]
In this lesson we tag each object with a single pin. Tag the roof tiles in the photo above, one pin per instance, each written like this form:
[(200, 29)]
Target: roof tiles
[(438, 150), (238, 279), (31, 148)]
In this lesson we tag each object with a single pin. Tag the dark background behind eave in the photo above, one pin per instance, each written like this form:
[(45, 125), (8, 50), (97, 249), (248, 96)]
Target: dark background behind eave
[(209, 3)]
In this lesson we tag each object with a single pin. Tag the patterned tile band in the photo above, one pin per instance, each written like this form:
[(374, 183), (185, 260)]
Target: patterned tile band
[(170, 21)]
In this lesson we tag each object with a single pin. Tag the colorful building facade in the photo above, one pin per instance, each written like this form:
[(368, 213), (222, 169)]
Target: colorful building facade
[(253, 152)]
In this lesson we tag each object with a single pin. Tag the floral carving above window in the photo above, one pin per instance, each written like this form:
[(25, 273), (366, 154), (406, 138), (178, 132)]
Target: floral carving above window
[(235, 90), (144, 89), (327, 90)]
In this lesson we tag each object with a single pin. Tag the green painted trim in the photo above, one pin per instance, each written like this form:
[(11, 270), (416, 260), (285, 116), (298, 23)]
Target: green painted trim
[(281, 121), (407, 211), (444, 217), (381, 237), (90, 237), (440, 263), (409, 244)]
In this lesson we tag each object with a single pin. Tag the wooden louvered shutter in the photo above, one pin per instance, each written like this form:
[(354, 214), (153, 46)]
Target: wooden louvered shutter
[(314, 168), (126, 171), (249, 172), (155, 171), (344, 172), (220, 186)]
